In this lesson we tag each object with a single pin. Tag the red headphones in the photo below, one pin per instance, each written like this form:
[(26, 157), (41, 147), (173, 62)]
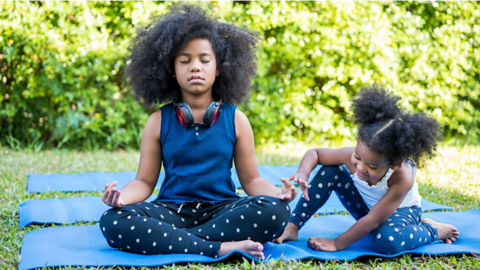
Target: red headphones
[(185, 116)]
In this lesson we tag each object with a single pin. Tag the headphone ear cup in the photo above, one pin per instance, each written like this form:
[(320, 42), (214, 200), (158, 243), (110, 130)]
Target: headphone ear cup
[(184, 114), (211, 113)]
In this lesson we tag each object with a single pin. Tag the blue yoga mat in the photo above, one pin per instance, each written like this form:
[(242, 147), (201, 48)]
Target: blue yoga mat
[(75, 182), (95, 181), (85, 246), (78, 209)]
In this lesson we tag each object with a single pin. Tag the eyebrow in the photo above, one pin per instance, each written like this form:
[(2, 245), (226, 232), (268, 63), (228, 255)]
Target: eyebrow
[(187, 54)]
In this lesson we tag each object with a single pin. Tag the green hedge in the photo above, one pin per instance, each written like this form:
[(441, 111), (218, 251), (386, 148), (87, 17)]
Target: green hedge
[(61, 64)]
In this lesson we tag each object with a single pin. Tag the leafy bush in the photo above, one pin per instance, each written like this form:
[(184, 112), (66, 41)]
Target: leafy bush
[(61, 68)]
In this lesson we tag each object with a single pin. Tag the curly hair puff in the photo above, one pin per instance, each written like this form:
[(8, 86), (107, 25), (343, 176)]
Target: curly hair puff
[(388, 130), (151, 62)]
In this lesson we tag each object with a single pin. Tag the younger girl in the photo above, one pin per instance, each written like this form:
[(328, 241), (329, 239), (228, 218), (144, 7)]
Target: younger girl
[(197, 66), (375, 180)]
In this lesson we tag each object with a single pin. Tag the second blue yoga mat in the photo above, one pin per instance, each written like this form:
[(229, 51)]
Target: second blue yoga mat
[(85, 245)]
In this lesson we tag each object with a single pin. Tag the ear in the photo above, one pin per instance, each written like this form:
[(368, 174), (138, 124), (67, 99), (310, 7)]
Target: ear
[(394, 167), (217, 73)]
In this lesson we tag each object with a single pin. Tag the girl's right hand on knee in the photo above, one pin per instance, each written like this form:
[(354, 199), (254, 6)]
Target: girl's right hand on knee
[(302, 180), (111, 196)]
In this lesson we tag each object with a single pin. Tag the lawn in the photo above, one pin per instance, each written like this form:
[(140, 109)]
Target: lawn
[(452, 178)]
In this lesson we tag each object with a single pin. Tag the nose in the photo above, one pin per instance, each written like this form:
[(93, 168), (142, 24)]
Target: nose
[(195, 66), (360, 167)]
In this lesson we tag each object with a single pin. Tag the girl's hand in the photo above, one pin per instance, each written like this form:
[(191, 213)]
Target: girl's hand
[(111, 196), (289, 192), (302, 180), (322, 244)]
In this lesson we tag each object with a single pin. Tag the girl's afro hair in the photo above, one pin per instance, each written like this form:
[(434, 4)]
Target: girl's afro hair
[(150, 67), (388, 130)]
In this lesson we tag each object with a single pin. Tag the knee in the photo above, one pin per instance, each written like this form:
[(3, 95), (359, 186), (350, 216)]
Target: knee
[(333, 170), (276, 212), (112, 219), (386, 244)]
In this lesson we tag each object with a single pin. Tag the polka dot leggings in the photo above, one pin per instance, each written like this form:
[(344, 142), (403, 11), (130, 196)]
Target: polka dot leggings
[(193, 228), (403, 230)]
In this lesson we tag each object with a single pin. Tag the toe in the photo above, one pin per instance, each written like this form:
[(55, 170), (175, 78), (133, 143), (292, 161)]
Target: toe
[(278, 240)]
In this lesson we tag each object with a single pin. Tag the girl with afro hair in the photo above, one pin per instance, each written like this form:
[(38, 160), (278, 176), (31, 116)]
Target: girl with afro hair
[(198, 68), (375, 180)]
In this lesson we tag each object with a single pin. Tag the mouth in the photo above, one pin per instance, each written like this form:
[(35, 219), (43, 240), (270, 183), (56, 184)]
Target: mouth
[(362, 176), (195, 78)]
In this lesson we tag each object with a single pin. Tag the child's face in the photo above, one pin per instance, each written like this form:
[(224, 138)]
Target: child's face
[(370, 166), (196, 67)]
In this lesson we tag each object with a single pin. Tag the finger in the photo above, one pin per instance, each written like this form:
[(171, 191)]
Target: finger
[(105, 194), (293, 192), (113, 185), (296, 178), (304, 187), (109, 187), (303, 184), (116, 198), (286, 182), (111, 196), (291, 177)]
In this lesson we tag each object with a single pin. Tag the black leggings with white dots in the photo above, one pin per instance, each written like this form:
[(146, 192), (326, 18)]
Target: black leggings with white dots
[(193, 228)]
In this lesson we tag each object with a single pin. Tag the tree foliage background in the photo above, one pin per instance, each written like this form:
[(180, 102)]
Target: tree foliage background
[(62, 84)]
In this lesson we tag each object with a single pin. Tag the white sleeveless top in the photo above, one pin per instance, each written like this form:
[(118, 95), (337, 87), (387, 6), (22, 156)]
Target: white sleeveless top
[(372, 194)]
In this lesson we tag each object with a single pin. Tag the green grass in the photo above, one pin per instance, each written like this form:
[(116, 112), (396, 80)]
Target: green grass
[(451, 178)]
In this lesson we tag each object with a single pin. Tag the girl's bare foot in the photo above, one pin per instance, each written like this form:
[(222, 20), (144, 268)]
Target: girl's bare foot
[(290, 234), (254, 249), (446, 232)]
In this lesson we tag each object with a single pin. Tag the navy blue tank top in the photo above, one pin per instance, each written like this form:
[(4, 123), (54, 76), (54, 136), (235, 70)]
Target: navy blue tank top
[(197, 160)]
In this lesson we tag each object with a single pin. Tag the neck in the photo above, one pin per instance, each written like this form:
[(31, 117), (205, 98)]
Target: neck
[(198, 103)]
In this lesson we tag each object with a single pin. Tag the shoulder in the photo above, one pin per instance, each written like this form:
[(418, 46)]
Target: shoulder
[(402, 177), (242, 125), (153, 125), (241, 119), (155, 117)]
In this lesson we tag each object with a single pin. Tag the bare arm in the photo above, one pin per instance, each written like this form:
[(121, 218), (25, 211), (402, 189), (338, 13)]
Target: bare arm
[(148, 170), (324, 156), (402, 182), (245, 164)]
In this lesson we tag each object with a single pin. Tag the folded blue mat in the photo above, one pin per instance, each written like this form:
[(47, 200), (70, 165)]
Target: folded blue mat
[(85, 245), (95, 181), (78, 209)]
